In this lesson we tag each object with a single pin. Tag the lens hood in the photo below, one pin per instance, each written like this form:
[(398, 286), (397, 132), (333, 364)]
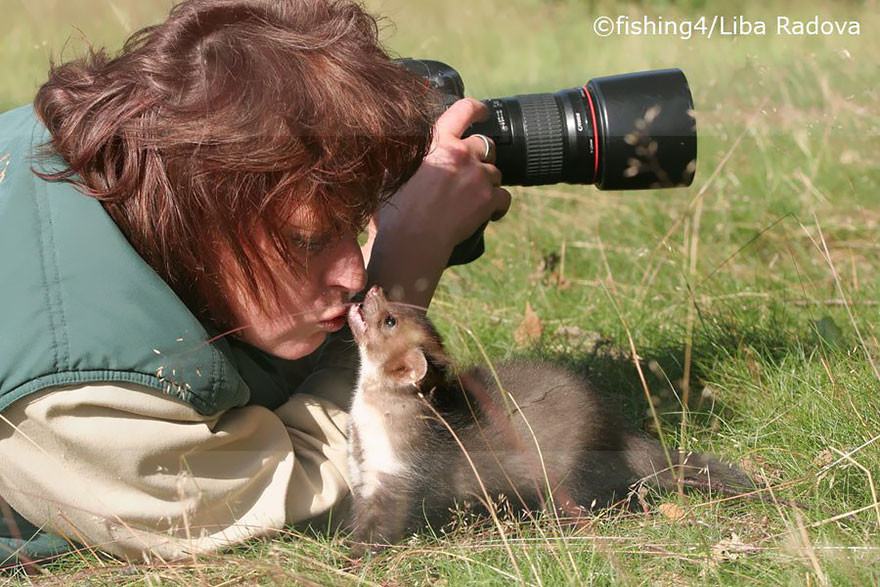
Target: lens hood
[(646, 129)]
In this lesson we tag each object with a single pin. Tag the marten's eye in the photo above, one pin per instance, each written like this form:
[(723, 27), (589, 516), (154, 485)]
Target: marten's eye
[(390, 321)]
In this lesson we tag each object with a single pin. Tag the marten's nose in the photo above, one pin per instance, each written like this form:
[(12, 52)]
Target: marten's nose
[(374, 302)]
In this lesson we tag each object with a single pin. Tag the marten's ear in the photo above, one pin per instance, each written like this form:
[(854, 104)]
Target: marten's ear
[(408, 368)]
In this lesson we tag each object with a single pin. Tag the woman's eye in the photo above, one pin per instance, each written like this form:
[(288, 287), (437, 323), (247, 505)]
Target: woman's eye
[(390, 321), (308, 245)]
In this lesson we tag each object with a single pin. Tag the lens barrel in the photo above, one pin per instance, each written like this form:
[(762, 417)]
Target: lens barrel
[(620, 132)]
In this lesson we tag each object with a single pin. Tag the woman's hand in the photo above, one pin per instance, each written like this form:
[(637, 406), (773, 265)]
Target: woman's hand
[(451, 195), (454, 192)]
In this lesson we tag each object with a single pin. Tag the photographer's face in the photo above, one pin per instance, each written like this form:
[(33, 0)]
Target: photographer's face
[(311, 302)]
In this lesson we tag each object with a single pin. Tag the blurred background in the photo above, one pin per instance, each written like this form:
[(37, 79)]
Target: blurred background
[(807, 108)]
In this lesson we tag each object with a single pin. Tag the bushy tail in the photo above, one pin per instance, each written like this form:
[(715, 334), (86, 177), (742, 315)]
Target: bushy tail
[(647, 459)]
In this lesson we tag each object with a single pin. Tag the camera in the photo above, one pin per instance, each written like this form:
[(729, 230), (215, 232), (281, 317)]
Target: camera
[(620, 132)]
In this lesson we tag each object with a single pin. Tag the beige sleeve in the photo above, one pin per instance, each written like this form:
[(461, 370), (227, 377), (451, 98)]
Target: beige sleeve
[(135, 473)]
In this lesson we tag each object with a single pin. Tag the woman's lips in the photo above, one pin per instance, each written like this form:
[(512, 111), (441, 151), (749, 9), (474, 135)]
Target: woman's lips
[(332, 325), (334, 322)]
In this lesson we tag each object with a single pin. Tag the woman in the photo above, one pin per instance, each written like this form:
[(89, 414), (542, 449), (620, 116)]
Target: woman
[(178, 240)]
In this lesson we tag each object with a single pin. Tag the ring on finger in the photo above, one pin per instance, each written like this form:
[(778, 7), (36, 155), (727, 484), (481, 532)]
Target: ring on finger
[(488, 153)]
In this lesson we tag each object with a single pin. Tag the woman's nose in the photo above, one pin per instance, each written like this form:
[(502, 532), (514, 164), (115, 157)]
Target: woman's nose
[(346, 269)]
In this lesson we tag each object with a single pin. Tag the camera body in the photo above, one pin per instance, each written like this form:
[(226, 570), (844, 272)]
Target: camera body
[(620, 132)]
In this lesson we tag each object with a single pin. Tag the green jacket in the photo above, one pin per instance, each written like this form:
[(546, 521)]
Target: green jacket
[(79, 305)]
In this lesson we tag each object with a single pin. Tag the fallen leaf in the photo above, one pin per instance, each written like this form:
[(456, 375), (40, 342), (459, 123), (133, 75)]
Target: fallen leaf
[(673, 511), (731, 548), (530, 329), (824, 458)]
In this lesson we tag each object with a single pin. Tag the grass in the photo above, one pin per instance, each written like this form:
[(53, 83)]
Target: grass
[(756, 291)]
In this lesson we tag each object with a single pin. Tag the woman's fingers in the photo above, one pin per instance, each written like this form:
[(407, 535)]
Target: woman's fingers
[(460, 116), (482, 147), (502, 198), (493, 173)]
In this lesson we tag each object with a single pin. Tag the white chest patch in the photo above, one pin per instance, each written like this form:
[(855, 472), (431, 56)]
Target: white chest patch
[(377, 452)]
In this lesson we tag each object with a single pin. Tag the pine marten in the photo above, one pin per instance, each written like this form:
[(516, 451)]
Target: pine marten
[(422, 437)]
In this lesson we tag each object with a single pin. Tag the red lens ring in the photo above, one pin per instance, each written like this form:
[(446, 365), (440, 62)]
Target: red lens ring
[(595, 133)]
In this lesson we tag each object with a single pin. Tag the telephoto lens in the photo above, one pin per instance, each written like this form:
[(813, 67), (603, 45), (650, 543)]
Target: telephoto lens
[(620, 132)]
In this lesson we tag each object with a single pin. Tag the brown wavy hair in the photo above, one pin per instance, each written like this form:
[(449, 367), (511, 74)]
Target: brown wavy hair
[(224, 120)]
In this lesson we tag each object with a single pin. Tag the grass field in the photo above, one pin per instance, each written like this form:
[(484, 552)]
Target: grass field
[(755, 293)]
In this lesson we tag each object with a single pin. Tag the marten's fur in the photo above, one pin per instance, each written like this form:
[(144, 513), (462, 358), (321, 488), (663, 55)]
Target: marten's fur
[(544, 427)]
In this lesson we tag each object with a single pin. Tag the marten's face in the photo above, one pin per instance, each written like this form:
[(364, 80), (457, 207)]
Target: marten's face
[(379, 326), (391, 338)]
